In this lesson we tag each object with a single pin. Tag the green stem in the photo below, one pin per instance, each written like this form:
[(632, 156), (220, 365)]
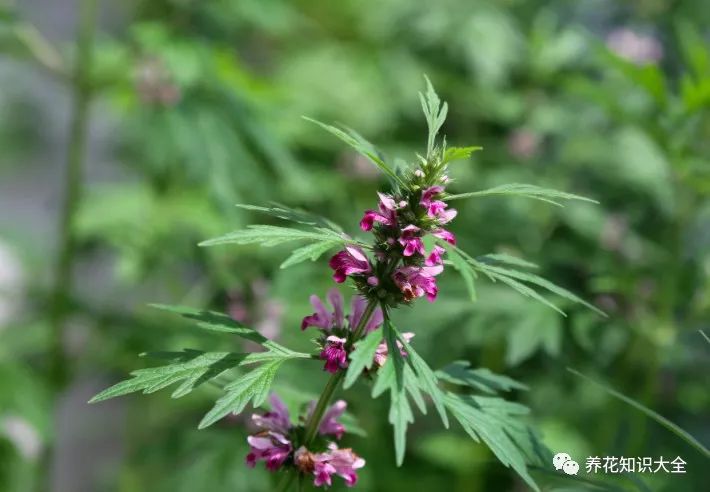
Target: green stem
[(60, 296), (327, 394), (76, 156), (334, 382)]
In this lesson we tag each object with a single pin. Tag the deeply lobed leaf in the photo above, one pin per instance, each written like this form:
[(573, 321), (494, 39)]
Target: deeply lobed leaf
[(294, 215), (268, 235), (461, 373), (524, 190), (362, 146), (192, 367), (362, 357), (496, 422)]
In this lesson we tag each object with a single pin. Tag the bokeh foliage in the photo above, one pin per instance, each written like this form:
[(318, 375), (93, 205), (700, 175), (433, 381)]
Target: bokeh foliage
[(205, 102)]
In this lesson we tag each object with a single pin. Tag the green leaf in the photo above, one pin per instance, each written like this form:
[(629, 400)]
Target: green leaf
[(268, 235), (294, 215), (253, 386), (400, 416), (535, 329), (435, 114), (461, 373), (707, 339), (458, 153), (398, 378), (507, 259), (511, 278), (210, 320), (192, 367), (496, 422), (499, 273), (650, 413), (403, 378), (362, 357), (393, 351), (427, 380), (362, 146), (309, 252), (468, 274), (524, 190)]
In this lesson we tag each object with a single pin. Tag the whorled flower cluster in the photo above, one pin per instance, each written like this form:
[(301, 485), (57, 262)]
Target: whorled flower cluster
[(277, 444), (403, 269), (337, 330)]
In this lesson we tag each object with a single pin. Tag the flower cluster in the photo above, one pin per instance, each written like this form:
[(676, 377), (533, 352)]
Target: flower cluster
[(277, 444), (403, 269), (337, 329)]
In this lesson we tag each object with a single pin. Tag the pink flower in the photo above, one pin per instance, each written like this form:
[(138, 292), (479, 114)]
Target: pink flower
[(387, 214), (524, 144), (271, 447), (637, 48), (277, 420), (412, 243), (334, 354), (357, 308), (330, 425), (445, 235), (434, 257), (417, 281), (341, 462), (350, 261), (382, 351), (322, 318), (436, 209), (323, 471), (429, 194)]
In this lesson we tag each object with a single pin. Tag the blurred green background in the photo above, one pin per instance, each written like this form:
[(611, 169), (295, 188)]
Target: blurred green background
[(186, 107)]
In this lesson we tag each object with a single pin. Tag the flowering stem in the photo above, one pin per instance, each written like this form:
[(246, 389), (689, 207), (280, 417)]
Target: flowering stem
[(334, 381), (327, 394)]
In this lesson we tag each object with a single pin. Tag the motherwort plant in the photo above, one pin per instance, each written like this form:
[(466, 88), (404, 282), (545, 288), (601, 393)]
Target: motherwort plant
[(410, 247)]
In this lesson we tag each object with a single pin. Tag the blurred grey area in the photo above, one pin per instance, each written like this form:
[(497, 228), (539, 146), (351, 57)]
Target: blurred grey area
[(89, 440)]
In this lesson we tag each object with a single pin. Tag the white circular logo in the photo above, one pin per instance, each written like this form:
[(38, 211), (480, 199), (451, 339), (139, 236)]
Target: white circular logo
[(564, 462)]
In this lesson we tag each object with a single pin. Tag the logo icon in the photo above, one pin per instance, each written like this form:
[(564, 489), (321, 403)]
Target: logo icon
[(564, 462)]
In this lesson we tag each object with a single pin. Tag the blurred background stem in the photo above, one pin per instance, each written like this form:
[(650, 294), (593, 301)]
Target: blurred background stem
[(73, 180), (58, 370)]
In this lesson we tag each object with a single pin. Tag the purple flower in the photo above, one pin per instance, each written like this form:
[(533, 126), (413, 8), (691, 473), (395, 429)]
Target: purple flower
[(277, 420), (330, 425), (387, 214), (350, 261), (342, 462), (322, 318), (335, 461), (412, 243), (417, 281), (323, 471), (382, 351), (429, 194), (269, 446), (445, 235), (436, 209), (334, 354), (636, 48), (523, 144), (434, 257), (357, 308)]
